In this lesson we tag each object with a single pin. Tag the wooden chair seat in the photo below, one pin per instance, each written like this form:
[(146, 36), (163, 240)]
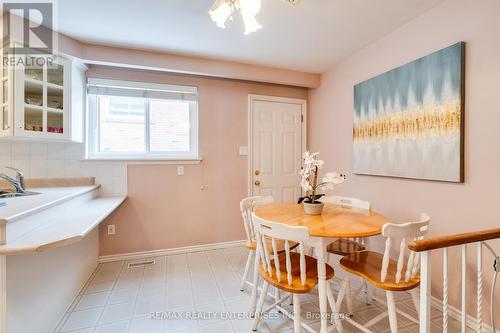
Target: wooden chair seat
[(296, 287), (368, 265), (280, 245), (344, 247)]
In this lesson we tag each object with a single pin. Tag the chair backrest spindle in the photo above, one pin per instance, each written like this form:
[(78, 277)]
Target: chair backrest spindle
[(302, 264), (264, 246), (409, 267), (288, 263), (276, 259), (385, 260)]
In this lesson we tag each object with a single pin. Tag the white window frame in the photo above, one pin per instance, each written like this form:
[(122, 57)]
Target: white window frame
[(92, 147)]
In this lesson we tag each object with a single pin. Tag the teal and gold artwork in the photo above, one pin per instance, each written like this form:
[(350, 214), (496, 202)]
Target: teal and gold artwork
[(409, 122)]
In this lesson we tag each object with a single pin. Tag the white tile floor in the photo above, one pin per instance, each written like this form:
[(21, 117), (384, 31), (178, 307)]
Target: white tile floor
[(119, 299)]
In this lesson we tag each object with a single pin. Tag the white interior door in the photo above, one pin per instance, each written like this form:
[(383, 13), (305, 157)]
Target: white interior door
[(276, 147)]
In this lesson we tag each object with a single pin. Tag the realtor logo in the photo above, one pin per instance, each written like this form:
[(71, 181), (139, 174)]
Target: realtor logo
[(27, 27)]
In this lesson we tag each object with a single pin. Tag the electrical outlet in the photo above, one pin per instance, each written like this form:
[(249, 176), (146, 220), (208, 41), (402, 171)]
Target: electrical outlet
[(111, 229), (243, 151), (180, 170)]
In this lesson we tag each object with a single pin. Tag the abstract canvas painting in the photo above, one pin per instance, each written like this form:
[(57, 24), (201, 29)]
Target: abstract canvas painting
[(409, 121)]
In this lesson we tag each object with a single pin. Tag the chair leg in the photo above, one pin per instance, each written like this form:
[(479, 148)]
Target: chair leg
[(368, 293), (416, 300), (391, 308), (260, 306), (334, 308), (348, 294), (296, 313), (247, 268), (277, 295), (342, 293), (253, 297)]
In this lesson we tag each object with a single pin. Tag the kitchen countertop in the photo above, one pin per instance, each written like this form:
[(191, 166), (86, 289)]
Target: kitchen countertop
[(20, 207), (57, 217), (65, 228)]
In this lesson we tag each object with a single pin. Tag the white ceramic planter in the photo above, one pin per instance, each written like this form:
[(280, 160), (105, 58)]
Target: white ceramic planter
[(313, 209)]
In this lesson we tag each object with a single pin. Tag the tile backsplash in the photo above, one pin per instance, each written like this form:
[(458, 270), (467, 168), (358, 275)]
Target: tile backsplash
[(62, 160)]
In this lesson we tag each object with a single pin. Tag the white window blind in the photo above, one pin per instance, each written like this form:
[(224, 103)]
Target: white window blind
[(151, 91)]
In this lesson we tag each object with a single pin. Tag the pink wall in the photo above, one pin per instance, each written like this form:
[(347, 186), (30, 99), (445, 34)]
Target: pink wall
[(164, 210), (453, 207), (167, 62)]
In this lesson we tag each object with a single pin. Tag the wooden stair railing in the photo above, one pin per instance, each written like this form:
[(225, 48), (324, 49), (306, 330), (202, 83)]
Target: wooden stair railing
[(424, 247)]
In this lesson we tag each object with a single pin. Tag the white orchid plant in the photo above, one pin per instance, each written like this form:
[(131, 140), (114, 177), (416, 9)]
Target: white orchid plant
[(309, 178)]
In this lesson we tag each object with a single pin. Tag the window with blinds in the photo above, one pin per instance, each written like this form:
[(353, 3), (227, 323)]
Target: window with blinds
[(135, 120)]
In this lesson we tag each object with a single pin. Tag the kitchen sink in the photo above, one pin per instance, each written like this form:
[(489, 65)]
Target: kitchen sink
[(11, 194)]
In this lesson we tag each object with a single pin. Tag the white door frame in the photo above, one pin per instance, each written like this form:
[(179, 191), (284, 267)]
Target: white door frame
[(251, 99)]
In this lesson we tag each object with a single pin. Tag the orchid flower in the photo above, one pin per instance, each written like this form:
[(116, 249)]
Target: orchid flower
[(309, 177)]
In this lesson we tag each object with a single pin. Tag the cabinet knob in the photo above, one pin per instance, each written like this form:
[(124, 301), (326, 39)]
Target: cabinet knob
[(257, 183), (257, 172)]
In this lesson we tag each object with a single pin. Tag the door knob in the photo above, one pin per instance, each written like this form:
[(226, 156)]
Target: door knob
[(257, 183), (257, 172)]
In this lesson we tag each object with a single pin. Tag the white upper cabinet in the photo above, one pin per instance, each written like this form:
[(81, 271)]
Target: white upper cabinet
[(43, 100)]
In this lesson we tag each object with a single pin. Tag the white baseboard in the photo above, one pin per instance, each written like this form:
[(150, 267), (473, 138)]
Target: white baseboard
[(165, 252), (457, 315)]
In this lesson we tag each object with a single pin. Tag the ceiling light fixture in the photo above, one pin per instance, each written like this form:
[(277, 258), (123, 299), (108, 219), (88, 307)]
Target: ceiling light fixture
[(222, 10)]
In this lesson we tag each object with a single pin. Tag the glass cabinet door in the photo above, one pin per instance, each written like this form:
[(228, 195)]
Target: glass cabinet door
[(44, 97), (33, 95), (55, 98), (4, 98), (4, 104)]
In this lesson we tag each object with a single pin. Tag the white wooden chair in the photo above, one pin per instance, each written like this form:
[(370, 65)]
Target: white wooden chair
[(346, 201), (387, 274), (248, 206), (346, 246), (293, 272)]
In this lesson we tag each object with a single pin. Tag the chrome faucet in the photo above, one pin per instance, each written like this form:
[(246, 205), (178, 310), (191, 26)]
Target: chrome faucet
[(18, 183)]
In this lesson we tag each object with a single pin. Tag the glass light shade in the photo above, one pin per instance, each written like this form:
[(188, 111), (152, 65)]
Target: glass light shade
[(251, 24), (220, 12), (249, 10)]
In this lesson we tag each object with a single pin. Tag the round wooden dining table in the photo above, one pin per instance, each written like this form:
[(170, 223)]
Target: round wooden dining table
[(334, 222)]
